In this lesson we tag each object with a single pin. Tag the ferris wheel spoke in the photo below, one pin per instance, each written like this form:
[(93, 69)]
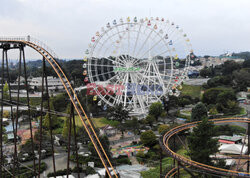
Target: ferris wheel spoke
[(139, 99), (126, 80), (114, 98), (151, 48), (107, 48), (143, 44), (128, 39), (137, 37), (108, 66)]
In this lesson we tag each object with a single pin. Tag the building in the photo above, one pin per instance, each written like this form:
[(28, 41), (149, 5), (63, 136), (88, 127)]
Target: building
[(54, 84), (213, 61), (233, 149), (108, 130), (223, 139)]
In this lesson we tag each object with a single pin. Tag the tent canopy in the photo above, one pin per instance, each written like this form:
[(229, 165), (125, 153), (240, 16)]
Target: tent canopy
[(233, 149)]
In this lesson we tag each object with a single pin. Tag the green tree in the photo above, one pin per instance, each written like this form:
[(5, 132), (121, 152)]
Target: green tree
[(5, 91), (156, 110), (54, 121), (120, 114), (201, 143), (171, 103), (163, 128), (213, 111), (66, 125), (150, 119), (206, 72), (106, 146), (226, 103), (210, 95), (59, 102), (133, 125), (198, 112), (148, 138), (229, 67), (241, 79)]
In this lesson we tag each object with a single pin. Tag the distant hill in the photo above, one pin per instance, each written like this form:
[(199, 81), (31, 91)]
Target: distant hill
[(242, 55)]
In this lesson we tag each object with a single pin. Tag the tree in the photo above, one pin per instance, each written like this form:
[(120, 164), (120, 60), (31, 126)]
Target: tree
[(226, 103), (229, 67), (133, 125), (201, 143), (210, 95), (6, 114), (213, 111), (163, 128), (120, 114), (156, 110), (54, 121), (66, 125), (106, 146), (206, 72), (198, 112), (59, 101), (150, 120), (5, 91), (148, 138), (241, 79), (171, 103)]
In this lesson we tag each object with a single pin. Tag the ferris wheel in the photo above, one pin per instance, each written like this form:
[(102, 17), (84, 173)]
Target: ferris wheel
[(135, 62)]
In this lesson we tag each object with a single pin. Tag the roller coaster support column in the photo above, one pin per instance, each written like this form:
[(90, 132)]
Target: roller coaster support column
[(248, 135), (187, 170), (178, 170), (1, 123), (175, 150), (160, 163)]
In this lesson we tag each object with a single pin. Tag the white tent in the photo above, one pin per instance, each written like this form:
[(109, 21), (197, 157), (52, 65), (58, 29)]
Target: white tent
[(233, 149)]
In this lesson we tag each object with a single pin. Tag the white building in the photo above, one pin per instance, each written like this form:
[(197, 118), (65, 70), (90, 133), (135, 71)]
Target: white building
[(233, 149), (54, 83)]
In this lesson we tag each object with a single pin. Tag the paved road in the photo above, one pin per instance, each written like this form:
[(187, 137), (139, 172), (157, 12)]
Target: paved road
[(196, 81), (60, 160)]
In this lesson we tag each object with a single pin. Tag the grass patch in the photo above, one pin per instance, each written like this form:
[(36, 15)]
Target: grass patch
[(101, 122), (155, 172), (34, 101), (183, 152), (188, 117), (98, 122), (242, 112), (191, 90), (186, 112)]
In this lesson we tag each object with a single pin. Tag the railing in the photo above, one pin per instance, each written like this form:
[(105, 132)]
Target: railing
[(30, 39)]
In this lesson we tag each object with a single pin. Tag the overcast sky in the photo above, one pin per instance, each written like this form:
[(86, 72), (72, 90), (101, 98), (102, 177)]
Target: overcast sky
[(213, 26)]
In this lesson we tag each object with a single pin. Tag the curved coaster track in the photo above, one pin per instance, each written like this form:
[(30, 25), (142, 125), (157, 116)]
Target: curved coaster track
[(8, 43), (203, 168)]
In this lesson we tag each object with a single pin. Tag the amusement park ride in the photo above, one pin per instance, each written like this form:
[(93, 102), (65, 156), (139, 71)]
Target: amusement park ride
[(149, 54), (148, 57)]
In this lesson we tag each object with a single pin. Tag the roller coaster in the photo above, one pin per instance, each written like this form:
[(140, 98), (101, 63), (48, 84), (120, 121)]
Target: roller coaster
[(48, 55), (8, 43), (165, 145)]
